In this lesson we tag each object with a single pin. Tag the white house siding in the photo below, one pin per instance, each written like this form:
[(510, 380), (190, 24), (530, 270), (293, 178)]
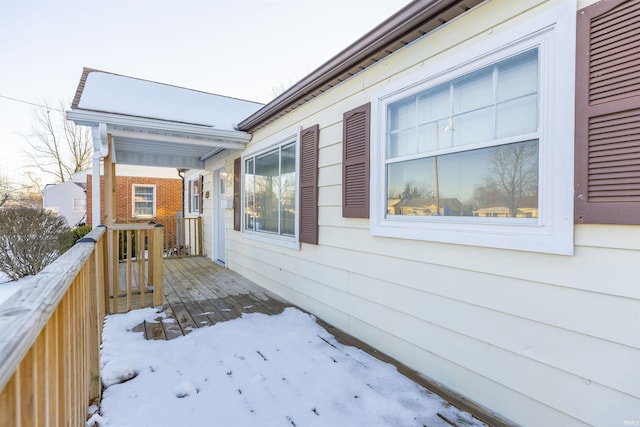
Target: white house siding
[(60, 199), (540, 339)]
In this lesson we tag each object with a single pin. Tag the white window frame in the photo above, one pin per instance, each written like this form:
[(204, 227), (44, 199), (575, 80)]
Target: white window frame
[(289, 136), (133, 200), (553, 33)]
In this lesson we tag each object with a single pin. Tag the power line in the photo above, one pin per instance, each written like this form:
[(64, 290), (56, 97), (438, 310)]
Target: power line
[(31, 103)]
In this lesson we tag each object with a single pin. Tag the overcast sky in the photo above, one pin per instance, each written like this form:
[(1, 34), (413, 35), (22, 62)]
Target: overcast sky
[(239, 48)]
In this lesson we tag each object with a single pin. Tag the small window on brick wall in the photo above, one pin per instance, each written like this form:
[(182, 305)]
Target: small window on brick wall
[(195, 195), (144, 201)]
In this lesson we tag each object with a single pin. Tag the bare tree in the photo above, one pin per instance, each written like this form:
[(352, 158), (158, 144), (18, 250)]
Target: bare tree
[(512, 178), (515, 168), (58, 146), (7, 189)]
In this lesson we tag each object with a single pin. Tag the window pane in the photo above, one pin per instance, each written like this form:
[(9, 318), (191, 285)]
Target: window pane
[(249, 194), (411, 187), (434, 104), (518, 76), (434, 135), (472, 127), (402, 114), (473, 91), (267, 188), (288, 193), (518, 116), (403, 143)]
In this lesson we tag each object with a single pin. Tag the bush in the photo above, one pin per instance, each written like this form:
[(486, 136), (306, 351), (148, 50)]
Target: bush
[(30, 239), (70, 237)]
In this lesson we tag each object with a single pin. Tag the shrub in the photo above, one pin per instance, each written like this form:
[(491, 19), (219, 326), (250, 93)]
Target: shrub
[(30, 239), (70, 237)]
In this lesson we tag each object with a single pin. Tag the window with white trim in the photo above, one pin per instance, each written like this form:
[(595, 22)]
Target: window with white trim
[(477, 149), (468, 146), (144, 201), (270, 191), (194, 192)]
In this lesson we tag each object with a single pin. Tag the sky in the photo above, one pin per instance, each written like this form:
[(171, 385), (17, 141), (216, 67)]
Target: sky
[(282, 370), (239, 48)]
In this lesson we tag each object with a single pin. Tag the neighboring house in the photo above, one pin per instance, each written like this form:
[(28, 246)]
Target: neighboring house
[(143, 193), (68, 199), (482, 103)]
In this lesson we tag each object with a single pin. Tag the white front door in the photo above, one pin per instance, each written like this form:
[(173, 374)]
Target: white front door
[(219, 212)]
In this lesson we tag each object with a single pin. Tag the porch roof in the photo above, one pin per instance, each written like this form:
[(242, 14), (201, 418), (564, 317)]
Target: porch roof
[(157, 124)]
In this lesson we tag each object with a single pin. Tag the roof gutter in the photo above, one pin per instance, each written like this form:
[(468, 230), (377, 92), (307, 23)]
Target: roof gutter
[(405, 21)]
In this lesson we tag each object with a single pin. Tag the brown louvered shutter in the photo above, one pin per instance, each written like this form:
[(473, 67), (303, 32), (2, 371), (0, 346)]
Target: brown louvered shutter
[(237, 167), (608, 113), (200, 194), (355, 162), (309, 185)]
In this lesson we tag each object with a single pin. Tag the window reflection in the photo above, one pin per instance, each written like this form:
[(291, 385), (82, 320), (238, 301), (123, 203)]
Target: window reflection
[(270, 191), (499, 181)]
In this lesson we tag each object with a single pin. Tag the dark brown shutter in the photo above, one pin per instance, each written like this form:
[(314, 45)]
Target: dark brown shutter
[(607, 165), (237, 167), (309, 185), (190, 190), (201, 193), (355, 162)]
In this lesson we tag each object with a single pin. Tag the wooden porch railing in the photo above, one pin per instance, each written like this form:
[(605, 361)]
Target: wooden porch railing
[(182, 236), (50, 333), (51, 329), (135, 270)]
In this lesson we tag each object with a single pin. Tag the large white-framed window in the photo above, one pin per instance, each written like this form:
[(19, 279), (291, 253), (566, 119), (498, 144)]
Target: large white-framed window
[(477, 149), (144, 201), (270, 190)]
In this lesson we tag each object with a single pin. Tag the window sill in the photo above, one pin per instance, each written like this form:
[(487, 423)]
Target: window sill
[(272, 239), (513, 236)]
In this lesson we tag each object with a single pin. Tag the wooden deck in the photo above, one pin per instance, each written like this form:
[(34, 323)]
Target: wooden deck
[(199, 293)]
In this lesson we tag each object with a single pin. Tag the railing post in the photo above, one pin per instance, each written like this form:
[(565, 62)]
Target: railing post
[(199, 232), (156, 237)]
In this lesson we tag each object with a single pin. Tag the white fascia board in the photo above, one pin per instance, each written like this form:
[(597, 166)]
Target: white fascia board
[(94, 118), (204, 142)]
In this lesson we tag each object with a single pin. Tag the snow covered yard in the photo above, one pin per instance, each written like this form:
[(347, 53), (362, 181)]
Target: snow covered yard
[(282, 370)]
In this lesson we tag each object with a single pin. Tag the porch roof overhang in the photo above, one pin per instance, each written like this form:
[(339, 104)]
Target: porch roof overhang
[(152, 142)]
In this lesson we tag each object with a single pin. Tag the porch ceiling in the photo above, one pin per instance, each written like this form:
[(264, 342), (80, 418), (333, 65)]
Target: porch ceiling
[(148, 142)]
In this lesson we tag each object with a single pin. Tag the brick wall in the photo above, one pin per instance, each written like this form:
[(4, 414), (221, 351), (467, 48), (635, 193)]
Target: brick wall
[(168, 196)]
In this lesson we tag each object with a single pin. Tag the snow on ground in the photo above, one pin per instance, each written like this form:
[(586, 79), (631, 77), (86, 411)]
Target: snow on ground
[(262, 370), (7, 288)]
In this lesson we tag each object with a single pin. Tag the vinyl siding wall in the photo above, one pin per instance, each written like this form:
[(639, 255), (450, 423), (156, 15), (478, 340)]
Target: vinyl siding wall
[(540, 339)]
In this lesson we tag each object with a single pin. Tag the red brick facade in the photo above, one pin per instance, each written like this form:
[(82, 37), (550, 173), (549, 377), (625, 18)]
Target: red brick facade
[(168, 197)]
